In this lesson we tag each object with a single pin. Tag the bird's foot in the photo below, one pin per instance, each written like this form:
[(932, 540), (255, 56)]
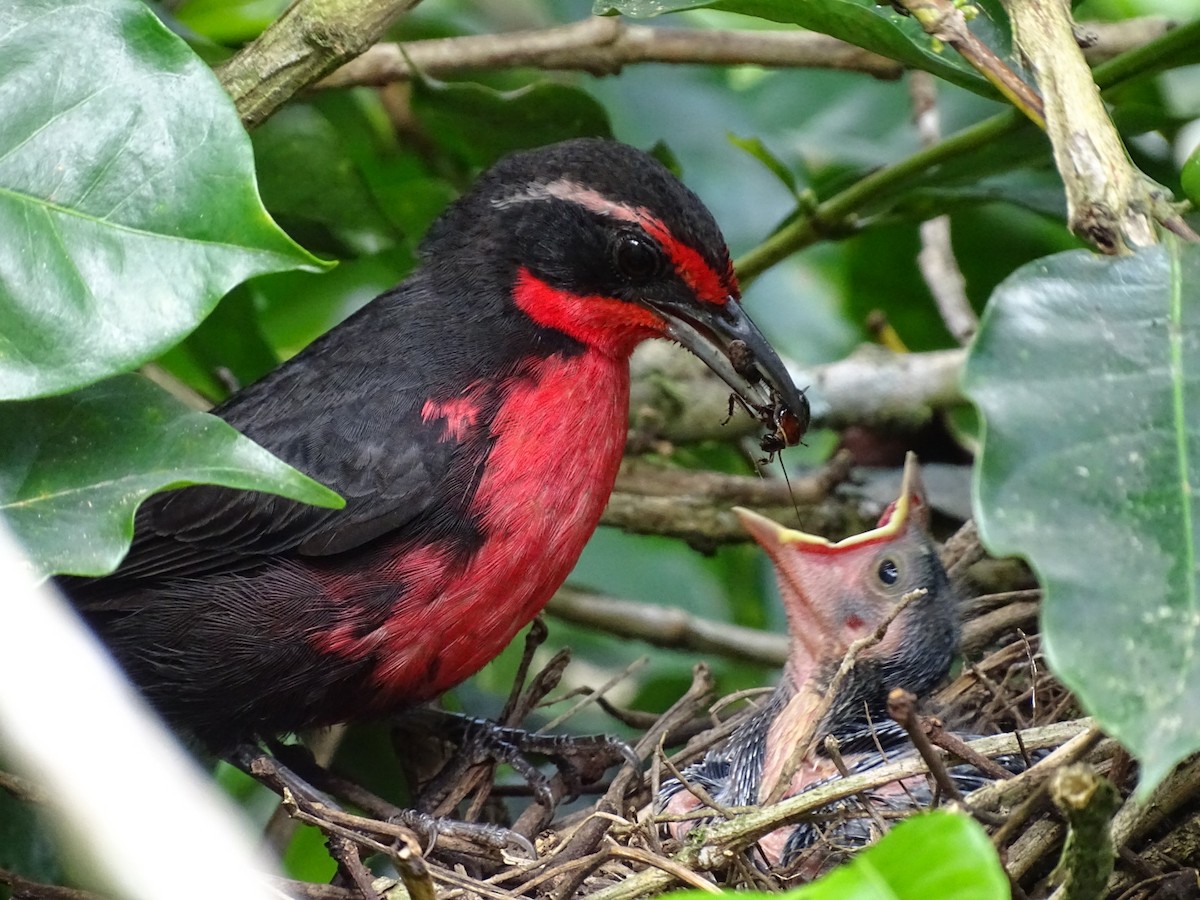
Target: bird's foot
[(580, 760), (434, 829)]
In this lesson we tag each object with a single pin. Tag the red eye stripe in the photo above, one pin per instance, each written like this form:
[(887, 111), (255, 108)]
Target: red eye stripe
[(690, 265)]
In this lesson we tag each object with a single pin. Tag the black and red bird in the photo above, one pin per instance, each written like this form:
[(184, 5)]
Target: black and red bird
[(835, 594), (473, 418)]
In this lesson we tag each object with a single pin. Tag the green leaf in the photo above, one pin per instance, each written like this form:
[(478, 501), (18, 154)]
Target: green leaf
[(478, 125), (26, 841), (400, 178), (294, 307), (937, 854), (1087, 371), (230, 21), (864, 23), (1190, 177), (307, 175), (307, 857), (226, 352), (73, 469), (1037, 191), (756, 148), (127, 195)]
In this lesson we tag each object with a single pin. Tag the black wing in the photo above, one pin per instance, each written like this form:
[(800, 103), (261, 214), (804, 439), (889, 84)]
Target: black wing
[(345, 411)]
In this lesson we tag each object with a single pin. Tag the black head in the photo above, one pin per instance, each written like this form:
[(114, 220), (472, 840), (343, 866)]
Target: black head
[(600, 241), (556, 206)]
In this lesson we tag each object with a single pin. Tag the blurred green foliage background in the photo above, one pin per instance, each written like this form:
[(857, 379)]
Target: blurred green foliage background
[(357, 175)]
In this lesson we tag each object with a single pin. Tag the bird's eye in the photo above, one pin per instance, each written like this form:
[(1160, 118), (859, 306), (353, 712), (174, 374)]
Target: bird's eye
[(889, 572), (636, 258)]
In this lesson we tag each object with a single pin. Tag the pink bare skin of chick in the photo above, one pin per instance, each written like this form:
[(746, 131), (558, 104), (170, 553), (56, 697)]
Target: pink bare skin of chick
[(835, 594)]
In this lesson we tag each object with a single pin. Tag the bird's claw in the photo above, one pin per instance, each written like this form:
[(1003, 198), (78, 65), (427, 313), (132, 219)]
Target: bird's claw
[(483, 834), (580, 760)]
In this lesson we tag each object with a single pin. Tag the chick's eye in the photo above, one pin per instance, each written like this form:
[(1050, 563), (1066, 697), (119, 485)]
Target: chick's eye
[(889, 572), (636, 258)]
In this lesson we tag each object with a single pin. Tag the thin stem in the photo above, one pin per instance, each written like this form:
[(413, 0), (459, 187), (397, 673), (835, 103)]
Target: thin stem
[(1174, 48), (834, 214), (1178, 47)]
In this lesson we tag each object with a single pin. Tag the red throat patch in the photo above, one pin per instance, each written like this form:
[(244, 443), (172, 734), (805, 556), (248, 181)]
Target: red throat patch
[(614, 327)]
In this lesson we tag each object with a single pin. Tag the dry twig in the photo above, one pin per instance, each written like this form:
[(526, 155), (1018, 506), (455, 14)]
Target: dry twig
[(603, 45), (310, 40), (936, 259)]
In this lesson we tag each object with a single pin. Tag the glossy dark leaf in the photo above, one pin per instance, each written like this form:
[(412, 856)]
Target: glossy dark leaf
[(1087, 371), (478, 125), (226, 352), (127, 194), (308, 175), (865, 23), (756, 148), (73, 469)]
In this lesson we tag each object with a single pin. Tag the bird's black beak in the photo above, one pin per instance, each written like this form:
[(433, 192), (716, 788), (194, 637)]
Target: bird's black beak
[(732, 346)]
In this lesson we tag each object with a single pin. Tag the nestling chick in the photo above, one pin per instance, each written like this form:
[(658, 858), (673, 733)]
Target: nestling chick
[(835, 594)]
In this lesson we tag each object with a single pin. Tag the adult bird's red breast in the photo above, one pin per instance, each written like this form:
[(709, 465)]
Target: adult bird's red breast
[(473, 417)]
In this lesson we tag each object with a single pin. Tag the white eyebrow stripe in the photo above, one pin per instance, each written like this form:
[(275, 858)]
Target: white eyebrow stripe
[(574, 192)]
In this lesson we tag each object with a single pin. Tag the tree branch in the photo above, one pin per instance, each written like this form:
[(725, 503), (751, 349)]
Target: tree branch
[(695, 506), (603, 45), (936, 258), (668, 626), (653, 480), (721, 841), (672, 628), (1176, 46), (310, 39), (837, 215), (675, 397), (1109, 202), (28, 889), (1088, 801), (1135, 820), (1101, 41), (588, 836), (947, 22)]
